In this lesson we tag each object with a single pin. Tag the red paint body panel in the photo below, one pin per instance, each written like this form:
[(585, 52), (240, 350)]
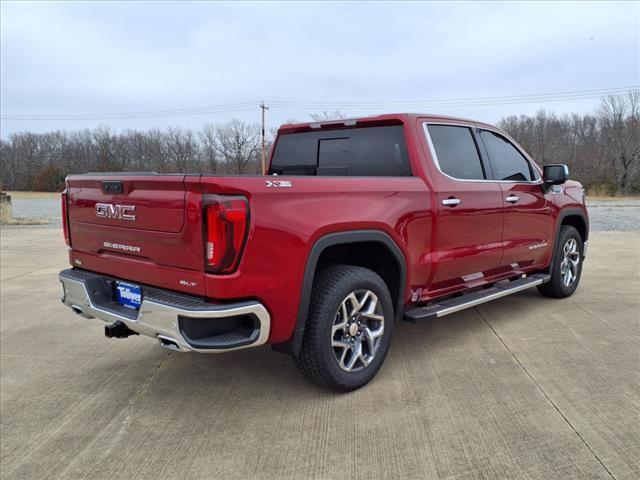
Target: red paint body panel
[(446, 249), (170, 241), (159, 202), (528, 224)]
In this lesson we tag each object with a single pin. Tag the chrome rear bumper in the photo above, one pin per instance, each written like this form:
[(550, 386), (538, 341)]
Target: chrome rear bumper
[(178, 322)]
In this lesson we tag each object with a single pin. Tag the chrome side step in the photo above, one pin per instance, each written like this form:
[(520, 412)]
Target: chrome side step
[(455, 304)]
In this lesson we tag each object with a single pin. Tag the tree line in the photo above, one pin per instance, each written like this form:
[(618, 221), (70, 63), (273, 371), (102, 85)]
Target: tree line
[(41, 161), (602, 149)]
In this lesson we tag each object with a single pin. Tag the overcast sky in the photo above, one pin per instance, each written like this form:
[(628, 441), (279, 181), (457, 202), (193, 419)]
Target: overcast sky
[(60, 59)]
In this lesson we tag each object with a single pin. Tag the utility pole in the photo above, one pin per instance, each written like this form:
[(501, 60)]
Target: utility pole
[(263, 107)]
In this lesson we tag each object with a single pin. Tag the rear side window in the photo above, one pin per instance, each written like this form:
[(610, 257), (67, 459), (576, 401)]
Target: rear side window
[(368, 151), (507, 162), (456, 152)]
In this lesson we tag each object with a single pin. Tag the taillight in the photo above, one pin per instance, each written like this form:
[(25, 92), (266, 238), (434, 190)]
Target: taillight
[(226, 221), (65, 219)]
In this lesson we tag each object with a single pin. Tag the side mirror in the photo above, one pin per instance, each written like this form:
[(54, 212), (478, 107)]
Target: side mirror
[(555, 174)]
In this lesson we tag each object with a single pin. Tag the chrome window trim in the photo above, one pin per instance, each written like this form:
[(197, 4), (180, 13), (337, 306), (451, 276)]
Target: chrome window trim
[(432, 150)]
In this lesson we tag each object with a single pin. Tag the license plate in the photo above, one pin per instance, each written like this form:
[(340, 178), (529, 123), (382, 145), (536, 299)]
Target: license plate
[(128, 295)]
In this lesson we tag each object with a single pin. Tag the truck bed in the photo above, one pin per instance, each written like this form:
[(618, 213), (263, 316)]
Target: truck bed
[(164, 245)]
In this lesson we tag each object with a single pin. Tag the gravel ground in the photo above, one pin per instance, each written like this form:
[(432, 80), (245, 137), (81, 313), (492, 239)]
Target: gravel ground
[(42, 208), (605, 215), (614, 215)]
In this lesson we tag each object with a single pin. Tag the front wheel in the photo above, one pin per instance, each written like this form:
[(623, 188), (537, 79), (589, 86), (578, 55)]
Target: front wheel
[(348, 330), (566, 268)]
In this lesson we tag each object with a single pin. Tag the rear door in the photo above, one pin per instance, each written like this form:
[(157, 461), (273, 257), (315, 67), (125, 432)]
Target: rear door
[(470, 209), (528, 224), (145, 228)]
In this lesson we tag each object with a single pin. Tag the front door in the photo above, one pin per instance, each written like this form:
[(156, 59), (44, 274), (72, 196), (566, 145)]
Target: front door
[(470, 217), (528, 223)]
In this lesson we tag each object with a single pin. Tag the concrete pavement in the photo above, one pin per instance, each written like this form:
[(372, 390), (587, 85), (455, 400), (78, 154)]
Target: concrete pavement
[(524, 387)]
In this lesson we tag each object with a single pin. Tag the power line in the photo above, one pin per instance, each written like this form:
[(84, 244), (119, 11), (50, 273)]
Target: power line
[(135, 115), (351, 105), (520, 97), (472, 101)]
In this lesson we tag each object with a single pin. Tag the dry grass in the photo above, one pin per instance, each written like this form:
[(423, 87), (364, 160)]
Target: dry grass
[(609, 198), (26, 221), (34, 195)]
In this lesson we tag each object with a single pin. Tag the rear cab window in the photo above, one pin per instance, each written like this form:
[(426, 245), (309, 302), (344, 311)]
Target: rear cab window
[(360, 151)]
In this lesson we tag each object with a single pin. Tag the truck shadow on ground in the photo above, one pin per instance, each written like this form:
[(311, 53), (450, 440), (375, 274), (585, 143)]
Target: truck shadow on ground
[(262, 373)]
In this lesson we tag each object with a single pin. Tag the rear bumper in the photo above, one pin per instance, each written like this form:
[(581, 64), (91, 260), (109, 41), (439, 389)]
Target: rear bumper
[(179, 322)]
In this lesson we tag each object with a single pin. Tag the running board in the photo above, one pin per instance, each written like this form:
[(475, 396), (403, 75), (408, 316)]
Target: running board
[(455, 304)]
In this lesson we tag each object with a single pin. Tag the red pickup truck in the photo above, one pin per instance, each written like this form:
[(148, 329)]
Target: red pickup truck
[(356, 225)]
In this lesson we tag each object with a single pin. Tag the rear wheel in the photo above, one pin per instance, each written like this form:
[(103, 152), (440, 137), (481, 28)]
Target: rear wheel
[(348, 330), (566, 268)]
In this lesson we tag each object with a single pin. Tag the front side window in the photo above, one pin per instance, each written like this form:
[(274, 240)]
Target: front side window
[(507, 162), (456, 152)]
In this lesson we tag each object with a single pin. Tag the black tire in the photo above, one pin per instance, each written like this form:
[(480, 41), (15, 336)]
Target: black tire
[(556, 287), (318, 359)]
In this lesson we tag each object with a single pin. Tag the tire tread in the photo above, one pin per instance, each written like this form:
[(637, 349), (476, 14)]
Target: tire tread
[(554, 287), (329, 281)]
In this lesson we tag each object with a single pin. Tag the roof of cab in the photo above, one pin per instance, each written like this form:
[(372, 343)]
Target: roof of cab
[(374, 120)]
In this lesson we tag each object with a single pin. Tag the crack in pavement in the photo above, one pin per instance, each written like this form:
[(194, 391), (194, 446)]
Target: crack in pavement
[(25, 274), (141, 391), (77, 409), (126, 422), (544, 393)]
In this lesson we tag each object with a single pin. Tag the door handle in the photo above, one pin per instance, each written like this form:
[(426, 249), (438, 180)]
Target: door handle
[(451, 202), (512, 199)]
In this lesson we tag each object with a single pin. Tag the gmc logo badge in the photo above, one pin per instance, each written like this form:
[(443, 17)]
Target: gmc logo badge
[(120, 212)]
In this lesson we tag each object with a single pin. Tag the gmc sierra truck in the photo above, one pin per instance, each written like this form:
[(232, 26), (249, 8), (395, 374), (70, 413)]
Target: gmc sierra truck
[(356, 225)]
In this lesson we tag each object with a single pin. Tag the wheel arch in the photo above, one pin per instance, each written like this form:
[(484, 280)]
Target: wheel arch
[(372, 249), (577, 218)]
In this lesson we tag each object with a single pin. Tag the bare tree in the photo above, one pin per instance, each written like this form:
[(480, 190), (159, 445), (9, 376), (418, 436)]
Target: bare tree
[(238, 144), (134, 149), (103, 144), (182, 149), (9, 168), (28, 158), (156, 149), (620, 127), (208, 147), (327, 115)]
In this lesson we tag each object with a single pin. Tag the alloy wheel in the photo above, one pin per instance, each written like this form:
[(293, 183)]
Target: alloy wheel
[(357, 330), (570, 262)]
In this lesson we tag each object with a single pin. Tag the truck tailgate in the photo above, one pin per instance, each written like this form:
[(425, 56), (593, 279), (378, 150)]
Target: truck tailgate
[(153, 203), (137, 227)]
